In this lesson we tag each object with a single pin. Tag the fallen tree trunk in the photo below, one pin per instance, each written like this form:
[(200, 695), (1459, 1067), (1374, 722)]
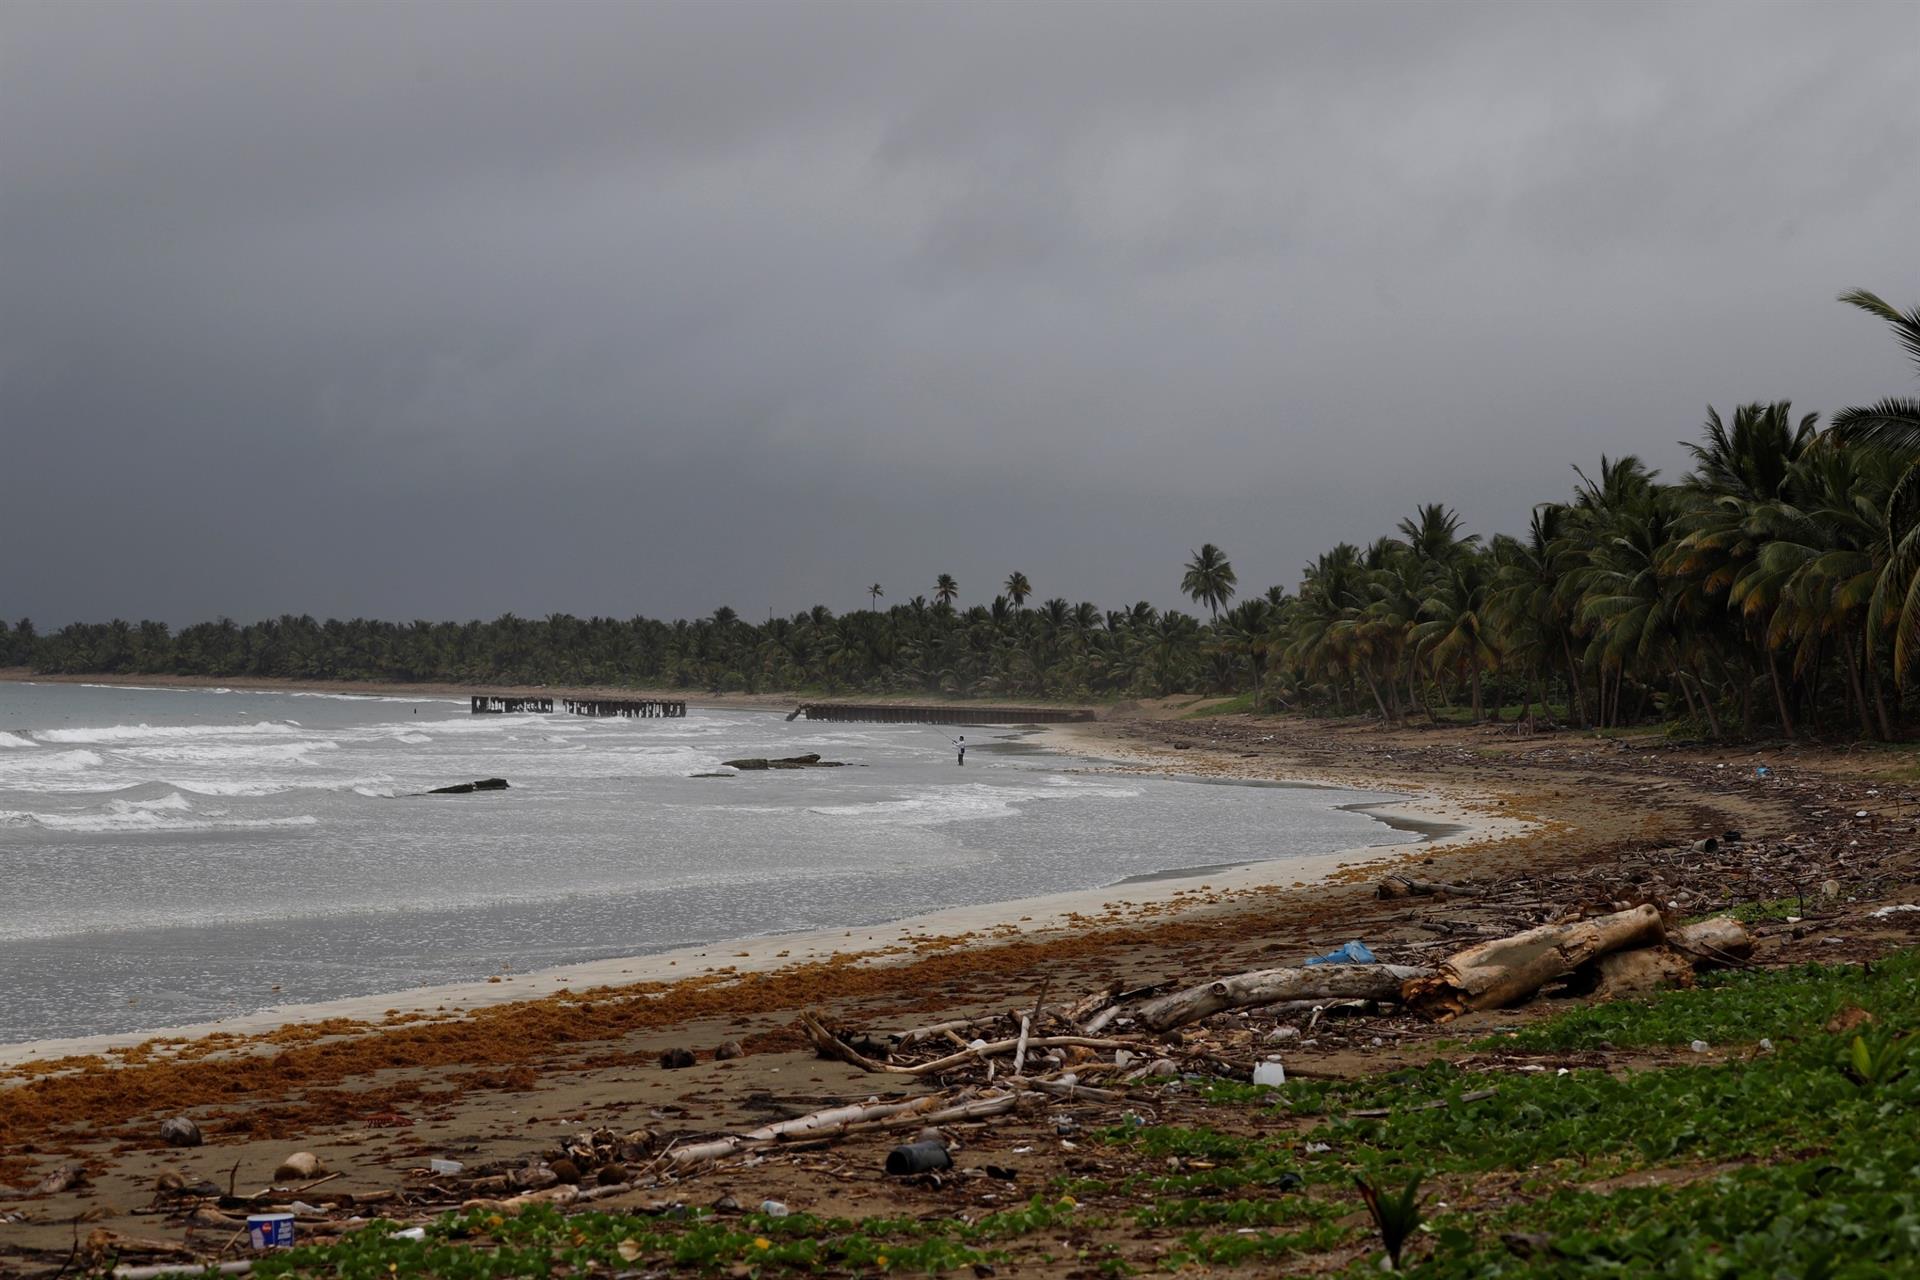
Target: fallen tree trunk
[(1507, 970), (1274, 986)]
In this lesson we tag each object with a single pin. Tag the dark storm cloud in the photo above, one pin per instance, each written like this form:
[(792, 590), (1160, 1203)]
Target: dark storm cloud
[(448, 309)]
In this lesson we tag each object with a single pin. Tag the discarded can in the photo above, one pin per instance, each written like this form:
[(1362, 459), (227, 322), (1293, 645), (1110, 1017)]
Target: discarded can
[(918, 1157), (270, 1230)]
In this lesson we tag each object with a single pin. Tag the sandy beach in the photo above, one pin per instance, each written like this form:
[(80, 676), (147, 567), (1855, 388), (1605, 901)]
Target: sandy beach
[(491, 1071)]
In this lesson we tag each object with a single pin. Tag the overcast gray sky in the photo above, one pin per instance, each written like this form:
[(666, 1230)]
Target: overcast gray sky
[(446, 309)]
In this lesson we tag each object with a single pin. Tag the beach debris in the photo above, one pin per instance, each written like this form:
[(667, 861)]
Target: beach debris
[(466, 788), (179, 1131), (168, 1270), (1271, 1073), (62, 1177), (676, 1059), (1405, 886), (1898, 908), (443, 1168), (1714, 942), (1354, 952), (730, 1049), (298, 1167), (774, 1209), (918, 1157), (1273, 986), (102, 1243), (270, 1230), (1644, 969), (536, 1176), (829, 1045)]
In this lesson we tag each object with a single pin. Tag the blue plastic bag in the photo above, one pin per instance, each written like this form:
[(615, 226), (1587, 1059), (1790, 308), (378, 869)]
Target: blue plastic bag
[(1352, 953)]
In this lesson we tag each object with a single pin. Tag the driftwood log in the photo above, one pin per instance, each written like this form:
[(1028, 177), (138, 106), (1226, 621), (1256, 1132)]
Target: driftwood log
[(932, 1109), (1275, 986), (1507, 970)]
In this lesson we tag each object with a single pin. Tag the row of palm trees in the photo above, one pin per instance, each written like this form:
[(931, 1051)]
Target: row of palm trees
[(1773, 588)]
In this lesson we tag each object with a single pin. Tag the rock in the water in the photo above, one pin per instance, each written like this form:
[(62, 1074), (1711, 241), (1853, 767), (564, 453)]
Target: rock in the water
[(180, 1132), (811, 760), (731, 1049), (465, 788), (674, 1059), (299, 1166)]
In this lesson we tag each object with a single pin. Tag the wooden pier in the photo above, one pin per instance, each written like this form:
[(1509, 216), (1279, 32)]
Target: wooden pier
[(902, 713), (494, 704), (628, 709)]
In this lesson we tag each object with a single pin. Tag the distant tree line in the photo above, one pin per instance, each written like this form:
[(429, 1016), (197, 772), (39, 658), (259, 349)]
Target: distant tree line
[(1773, 589)]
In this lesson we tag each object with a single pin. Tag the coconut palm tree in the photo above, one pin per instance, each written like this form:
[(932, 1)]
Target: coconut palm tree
[(873, 596), (1018, 589), (1893, 424), (1209, 578), (945, 589)]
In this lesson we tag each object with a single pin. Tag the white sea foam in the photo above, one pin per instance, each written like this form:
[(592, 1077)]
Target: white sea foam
[(962, 804), (170, 814), (8, 740), (413, 739), (41, 763), (111, 734), (227, 788), (278, 753)]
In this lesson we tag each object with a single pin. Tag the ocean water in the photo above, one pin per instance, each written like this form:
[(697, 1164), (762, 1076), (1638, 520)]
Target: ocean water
[(170, 856)]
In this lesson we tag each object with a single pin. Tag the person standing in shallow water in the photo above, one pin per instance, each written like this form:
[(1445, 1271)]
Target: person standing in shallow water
[(961, 743)]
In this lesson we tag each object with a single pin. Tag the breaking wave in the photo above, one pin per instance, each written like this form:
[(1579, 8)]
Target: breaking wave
[(169, 812), (118, 733)]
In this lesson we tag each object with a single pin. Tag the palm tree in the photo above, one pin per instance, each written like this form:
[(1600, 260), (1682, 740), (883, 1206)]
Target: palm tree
[(1018, 588), (873, 596), (1209, 578), (945, 588), (1893, 424)]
